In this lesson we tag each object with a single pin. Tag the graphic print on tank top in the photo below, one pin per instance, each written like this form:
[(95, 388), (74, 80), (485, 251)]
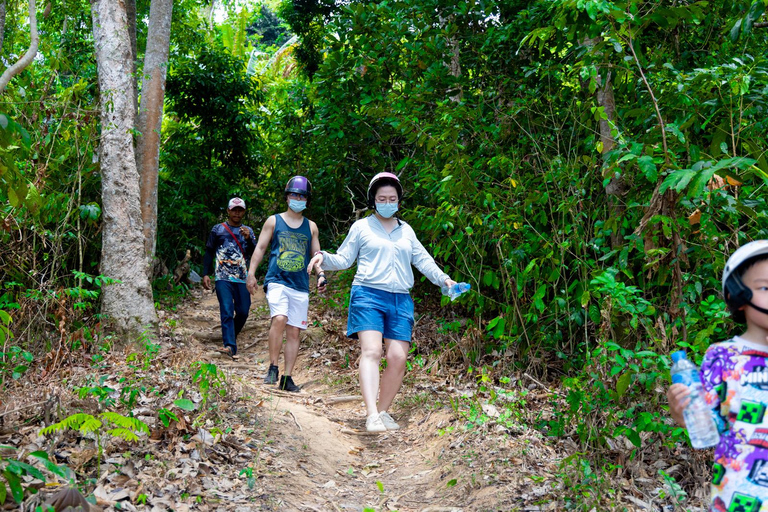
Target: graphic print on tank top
[(292, 250)]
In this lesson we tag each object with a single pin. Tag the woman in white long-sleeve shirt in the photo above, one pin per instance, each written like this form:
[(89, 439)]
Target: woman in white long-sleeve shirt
[(380, 305)]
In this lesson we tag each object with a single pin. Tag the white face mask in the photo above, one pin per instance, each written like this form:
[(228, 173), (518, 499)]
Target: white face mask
[(386, 210), (296, 205)]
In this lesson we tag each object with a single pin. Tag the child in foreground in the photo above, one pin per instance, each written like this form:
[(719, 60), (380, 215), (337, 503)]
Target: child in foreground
[(734, 374)]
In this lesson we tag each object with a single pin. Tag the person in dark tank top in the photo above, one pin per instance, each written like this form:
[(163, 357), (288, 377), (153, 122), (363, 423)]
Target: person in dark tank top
[(291, 240)]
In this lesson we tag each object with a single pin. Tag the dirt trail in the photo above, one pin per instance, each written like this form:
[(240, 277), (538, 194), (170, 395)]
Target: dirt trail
[(316, 455)]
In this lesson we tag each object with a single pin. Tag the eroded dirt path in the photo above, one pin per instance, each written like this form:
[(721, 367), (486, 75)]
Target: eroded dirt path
[(311, 449)]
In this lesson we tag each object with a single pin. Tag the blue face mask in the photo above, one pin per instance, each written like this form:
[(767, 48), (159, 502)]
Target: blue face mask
[(386, 210), (296, 205)]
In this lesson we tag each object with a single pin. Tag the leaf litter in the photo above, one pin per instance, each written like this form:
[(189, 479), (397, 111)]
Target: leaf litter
[(247, 446)]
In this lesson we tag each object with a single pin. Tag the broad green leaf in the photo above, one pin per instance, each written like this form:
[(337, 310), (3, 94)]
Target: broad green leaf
[(648, 168), (623, 383), (183, 403), (14, 482)]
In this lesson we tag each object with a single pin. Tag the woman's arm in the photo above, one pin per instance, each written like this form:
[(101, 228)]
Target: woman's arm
[(423, 261), (344, 258)]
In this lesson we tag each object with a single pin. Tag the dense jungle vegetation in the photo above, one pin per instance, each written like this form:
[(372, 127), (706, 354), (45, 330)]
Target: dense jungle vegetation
[(587, 165)]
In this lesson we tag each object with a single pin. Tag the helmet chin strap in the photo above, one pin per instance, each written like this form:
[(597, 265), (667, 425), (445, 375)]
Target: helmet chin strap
[(762, 310)]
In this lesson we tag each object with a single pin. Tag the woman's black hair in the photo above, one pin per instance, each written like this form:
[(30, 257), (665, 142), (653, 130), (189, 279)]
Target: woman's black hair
[(384, 182)]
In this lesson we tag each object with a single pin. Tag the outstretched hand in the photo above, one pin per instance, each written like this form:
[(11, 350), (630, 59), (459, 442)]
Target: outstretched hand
[(315, 263)]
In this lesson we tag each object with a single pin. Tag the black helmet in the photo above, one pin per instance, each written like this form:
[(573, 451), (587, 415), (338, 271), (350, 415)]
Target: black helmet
[(382, 179), (299, 185)]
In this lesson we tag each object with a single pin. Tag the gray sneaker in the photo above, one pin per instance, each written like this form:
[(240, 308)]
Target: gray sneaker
[(272, 375)]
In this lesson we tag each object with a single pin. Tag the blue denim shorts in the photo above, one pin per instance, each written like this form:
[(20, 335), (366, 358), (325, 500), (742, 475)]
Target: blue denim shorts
[(375, 310)]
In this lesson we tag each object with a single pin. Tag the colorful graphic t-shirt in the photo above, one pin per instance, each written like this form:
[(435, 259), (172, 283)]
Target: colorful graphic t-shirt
[(231, 263), (735, 375), (289, 255)]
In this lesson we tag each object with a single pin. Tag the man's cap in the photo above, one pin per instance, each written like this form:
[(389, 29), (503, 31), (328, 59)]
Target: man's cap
[(236, 202)]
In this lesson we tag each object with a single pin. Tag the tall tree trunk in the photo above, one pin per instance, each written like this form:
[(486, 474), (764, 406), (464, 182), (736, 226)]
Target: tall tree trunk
[(29, 56), (129, 303), (151, 118)]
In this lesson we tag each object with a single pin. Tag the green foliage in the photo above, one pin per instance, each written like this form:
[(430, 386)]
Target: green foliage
[(248, 472), (166, 416), (307, 19), (16, 475), (210, 380), (272, 31), (106, 423), (212, 146), (14, 360)]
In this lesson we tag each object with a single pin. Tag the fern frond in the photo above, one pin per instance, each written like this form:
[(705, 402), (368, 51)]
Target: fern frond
[(70, 422), (126, 422), (239, 42), (123, 433), (227, 37), (90, 424)]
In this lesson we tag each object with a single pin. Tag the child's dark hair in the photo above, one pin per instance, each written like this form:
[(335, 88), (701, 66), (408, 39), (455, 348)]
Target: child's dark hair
[(734, 282)]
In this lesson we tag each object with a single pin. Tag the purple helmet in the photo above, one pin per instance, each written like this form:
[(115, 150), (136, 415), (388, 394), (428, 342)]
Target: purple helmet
[(380, 180), (299, 185)]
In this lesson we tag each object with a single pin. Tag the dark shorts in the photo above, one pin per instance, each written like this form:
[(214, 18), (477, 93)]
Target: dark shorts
[(375, 310)]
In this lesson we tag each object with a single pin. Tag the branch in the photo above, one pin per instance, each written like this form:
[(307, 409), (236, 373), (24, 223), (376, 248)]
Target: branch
[(762, 24), (28, 57), (653, 98)]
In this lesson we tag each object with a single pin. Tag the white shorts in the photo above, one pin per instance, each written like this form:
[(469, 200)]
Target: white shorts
[(288, 302)]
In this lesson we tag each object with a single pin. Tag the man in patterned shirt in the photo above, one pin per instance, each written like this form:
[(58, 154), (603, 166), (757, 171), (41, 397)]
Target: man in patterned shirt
[(230, 245), (735, 376)]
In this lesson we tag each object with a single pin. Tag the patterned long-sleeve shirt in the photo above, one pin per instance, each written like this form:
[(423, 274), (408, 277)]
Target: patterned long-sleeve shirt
[(735, 376), (221, 247)]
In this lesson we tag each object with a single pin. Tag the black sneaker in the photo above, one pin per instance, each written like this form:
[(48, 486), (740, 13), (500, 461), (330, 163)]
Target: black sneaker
[(286, 384), (272, 375)]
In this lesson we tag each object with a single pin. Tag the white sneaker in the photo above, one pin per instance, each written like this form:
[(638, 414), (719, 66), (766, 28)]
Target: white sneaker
[(388, 422), (374, 424)]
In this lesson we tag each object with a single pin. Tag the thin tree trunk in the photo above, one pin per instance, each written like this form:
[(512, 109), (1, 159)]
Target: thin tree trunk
[(151, 118), (616, 187), (129, 303), (29, 56), (2, 24)]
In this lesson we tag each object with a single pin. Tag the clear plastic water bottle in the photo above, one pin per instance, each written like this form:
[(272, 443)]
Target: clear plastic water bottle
[(698, 417), (457, 289)]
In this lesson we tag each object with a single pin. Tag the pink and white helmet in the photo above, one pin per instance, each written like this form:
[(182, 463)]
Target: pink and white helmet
[(381, 179)]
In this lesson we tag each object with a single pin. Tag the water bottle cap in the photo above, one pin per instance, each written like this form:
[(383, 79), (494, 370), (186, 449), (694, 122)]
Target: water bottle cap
[(676, 356)]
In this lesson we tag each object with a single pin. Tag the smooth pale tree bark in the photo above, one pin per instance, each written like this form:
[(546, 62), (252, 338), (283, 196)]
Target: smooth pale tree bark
[(29, 56), (151, 118), (129, 303)]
